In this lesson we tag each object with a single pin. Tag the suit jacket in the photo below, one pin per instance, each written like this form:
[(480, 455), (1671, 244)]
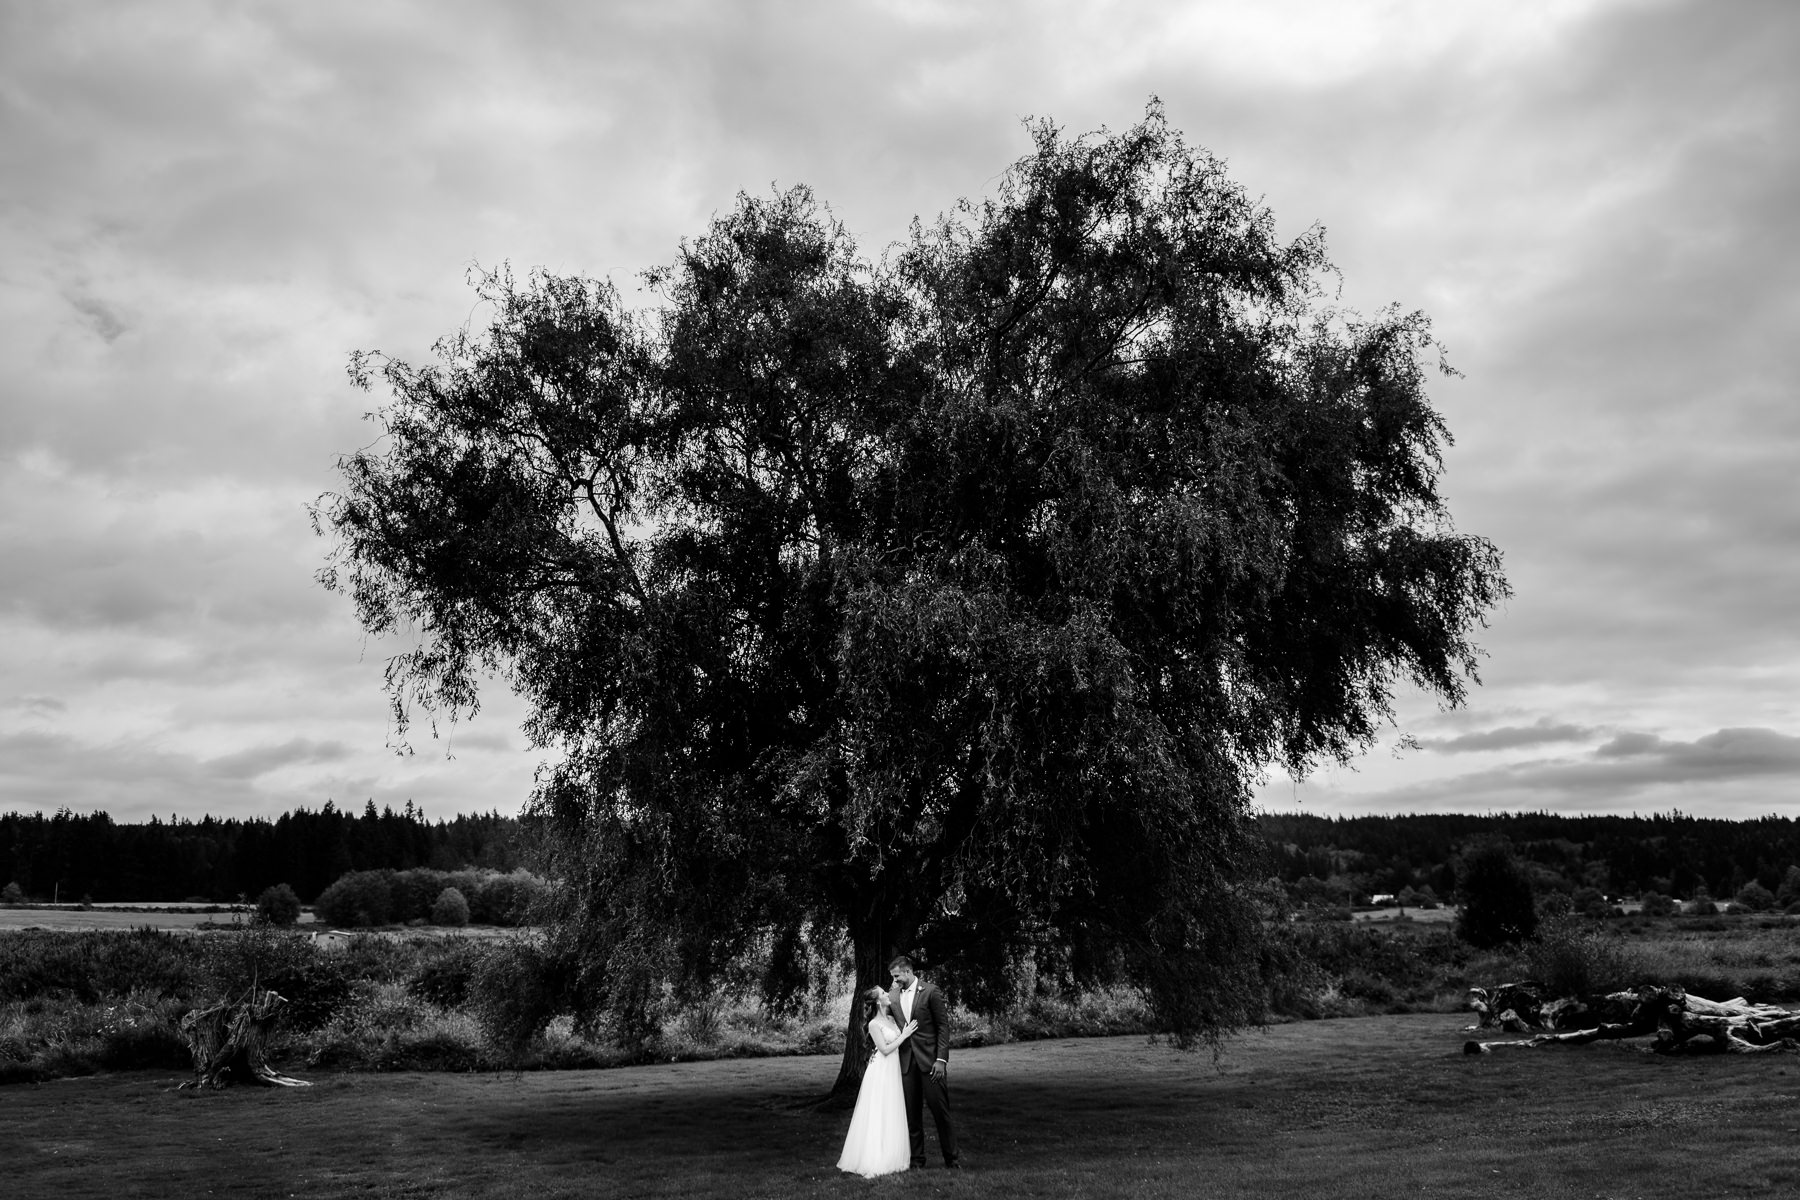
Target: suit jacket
[(931, 1040)]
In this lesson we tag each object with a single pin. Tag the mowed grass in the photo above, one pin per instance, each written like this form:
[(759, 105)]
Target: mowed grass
[(1372, 1107)]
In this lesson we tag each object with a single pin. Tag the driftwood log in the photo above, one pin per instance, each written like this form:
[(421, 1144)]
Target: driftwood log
[(1680, 1023), (228, 1041)]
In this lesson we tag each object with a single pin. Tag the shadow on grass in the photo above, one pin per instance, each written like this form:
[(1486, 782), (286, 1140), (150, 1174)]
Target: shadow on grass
[(1373, 1107)]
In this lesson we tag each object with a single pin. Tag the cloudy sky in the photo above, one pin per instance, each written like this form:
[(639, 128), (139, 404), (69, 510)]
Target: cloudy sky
[(205, 207)]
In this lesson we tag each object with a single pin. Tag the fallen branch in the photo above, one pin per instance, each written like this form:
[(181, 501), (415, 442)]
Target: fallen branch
[(1681, 1024)]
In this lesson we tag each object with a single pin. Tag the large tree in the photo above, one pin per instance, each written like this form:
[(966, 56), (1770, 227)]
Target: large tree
[(953, 603)]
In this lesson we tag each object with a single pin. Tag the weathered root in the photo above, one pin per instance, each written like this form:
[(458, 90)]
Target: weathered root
[(228, 1042)]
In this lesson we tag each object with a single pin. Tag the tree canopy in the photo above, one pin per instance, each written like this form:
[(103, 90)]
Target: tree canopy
[(1497, 906), (953, 602)]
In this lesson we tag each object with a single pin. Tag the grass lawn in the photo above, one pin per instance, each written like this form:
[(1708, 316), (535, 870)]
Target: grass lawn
[(1372, 1107)]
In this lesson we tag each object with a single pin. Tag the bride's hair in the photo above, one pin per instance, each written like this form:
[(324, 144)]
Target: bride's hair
[(872, 1000)]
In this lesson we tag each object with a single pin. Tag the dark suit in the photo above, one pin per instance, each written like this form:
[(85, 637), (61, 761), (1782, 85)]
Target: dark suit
[(929, 1043)]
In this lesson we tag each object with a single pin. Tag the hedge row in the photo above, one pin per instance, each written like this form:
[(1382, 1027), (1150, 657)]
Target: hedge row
[(364, 898)]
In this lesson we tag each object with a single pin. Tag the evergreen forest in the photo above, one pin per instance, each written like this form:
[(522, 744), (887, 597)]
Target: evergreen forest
[(1348, 860), (91, 857)]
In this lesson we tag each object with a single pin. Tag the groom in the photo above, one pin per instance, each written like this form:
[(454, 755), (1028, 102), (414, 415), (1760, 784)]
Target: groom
[(924, 1059)]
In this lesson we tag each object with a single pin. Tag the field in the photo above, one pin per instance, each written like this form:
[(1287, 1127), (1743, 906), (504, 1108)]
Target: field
[(1370, 1107), (1425, 916), (124, 916)]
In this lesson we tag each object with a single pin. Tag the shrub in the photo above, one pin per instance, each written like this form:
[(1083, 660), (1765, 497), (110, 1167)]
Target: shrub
[(1417, 898), (443, 979), (1789, 891), (1313, 892), (278, 905), (467, 882), (311, 980), (1102, 1013), (12, 893), (513, 994), (506, 899), (1655, 904), (1576, 958), (412, 892), (1325, 969), (143, 1033), (1291, 978), (1702, 906), (91, 965), (1495, 890), (387, 1028), (382, 959), (1755, 897), (1554, 904), (450, 908), (362, 898), (358, 899)]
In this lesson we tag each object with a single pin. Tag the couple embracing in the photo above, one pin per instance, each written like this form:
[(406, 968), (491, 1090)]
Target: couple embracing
[(908, 1071)]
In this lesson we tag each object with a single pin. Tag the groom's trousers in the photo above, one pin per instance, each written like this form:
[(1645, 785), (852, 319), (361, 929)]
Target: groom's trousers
[(922, 1091)]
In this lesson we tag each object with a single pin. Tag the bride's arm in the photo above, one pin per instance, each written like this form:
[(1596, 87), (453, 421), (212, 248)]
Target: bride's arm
[(878, 1035)]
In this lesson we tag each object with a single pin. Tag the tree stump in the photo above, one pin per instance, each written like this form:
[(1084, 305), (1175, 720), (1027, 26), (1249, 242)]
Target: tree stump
[(227, 1042)]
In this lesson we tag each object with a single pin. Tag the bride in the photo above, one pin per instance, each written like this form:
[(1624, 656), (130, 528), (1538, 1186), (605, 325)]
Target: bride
[(877, 1142)]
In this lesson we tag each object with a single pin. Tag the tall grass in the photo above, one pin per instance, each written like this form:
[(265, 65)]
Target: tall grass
[(1577, 956), (75, 1003)]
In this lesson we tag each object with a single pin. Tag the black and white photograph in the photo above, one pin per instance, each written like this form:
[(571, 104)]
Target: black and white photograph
[(784, 598)]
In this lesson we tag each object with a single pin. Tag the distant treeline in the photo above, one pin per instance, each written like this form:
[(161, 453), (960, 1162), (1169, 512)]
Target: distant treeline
[(93, 857), (1675, 855)]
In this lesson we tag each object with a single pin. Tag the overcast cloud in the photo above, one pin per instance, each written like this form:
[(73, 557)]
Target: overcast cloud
[(205, 207)]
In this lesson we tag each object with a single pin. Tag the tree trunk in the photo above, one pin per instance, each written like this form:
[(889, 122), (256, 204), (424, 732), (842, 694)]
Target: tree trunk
[(874, 942), (228, 1040)]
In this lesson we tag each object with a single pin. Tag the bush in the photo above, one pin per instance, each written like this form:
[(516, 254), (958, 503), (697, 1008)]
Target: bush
[(363, 898), (506, 899), (387, 1028), (1655, 904), (1554, 904), (278, 905), (1495, 891), (450, 908), (92, 965), (12, 893), (1755, 897), (1789, 891), (443, 979), (1574, 957), (1417, 898), (513, 994), (410, 894), (312, 981), (142, 1034), (357, 900)]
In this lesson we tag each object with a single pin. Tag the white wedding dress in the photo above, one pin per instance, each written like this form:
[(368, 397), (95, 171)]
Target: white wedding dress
[(877, 1143)]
